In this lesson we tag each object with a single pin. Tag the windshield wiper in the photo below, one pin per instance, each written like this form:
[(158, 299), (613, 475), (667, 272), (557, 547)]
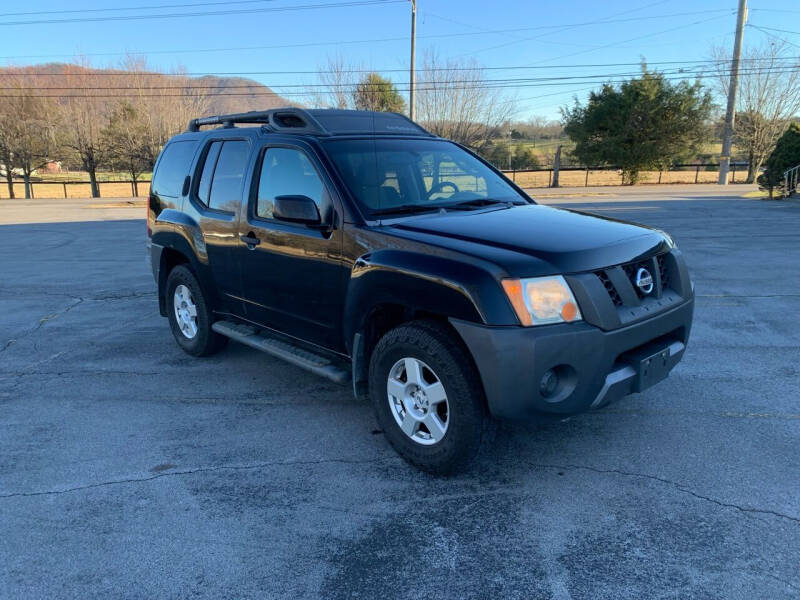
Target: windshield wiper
[(405, 209), (480, 202)]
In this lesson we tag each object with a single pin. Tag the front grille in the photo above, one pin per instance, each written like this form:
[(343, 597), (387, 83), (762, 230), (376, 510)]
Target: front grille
[(663, 271), (612, 291), (630, 270)]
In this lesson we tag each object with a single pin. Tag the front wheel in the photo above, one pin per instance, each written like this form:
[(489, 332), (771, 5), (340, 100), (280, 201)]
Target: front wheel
[(428, 398), (189, 315)]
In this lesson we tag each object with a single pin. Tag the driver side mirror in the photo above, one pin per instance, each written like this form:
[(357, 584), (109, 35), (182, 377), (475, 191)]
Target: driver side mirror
[(296, 209)]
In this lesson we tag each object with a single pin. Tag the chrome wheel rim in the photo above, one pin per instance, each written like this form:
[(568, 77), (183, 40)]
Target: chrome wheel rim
[(418, 401), (185, 311)]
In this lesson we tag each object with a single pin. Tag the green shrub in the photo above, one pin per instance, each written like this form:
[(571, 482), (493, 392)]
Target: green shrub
[(785, 156)]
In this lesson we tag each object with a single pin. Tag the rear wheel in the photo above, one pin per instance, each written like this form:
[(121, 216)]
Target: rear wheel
[(189, 316), (428, 399)]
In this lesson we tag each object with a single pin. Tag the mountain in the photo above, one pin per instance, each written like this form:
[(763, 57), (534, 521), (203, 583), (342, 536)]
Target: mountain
[(221, 94)]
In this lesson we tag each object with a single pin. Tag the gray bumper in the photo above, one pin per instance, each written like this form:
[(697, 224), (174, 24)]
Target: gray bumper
[(594, 366)]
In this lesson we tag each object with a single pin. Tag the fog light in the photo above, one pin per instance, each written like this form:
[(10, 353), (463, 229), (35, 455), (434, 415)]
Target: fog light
[(549, 384)]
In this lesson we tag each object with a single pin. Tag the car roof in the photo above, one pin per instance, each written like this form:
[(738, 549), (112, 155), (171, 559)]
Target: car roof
[(316, 122)]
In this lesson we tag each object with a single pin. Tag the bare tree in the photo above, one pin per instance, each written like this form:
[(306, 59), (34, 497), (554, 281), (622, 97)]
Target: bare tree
[(82, 117), (455, 101), (769, 96), (336, 84), (163, 103), (27, 137), (6, 155)]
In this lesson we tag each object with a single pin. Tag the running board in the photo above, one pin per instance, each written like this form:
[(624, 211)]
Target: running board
[(280, 348)]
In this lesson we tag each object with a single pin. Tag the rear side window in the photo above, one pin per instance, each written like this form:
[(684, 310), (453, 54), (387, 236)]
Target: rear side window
[(228, 175), (173, 168), (204, 188)]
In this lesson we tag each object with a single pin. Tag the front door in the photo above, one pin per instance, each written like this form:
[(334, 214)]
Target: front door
[(293, 278)]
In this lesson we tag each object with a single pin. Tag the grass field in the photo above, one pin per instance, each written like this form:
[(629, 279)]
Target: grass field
[(58, 189), (63, 185), (541, 179)]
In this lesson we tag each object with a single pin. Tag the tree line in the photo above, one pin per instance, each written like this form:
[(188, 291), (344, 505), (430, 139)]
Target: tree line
[(91, 131), (647, 122)]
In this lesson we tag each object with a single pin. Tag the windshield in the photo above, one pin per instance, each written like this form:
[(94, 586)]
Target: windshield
[(405, 175)]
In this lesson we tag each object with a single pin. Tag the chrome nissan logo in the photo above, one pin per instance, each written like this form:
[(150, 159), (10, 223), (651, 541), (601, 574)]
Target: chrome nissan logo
[(644, 281)]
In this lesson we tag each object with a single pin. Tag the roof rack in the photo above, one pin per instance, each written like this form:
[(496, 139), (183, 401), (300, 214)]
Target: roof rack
[(325, 122), (278, 119)]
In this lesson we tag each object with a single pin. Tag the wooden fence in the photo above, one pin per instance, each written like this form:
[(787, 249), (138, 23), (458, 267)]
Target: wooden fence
[(76, 189), (600, 176), (526, 178)]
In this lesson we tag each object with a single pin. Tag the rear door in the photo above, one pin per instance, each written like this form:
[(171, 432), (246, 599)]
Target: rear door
[(293, 280), (217, 196)]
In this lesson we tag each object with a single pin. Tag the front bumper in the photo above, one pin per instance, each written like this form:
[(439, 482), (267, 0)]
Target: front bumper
[(594, 367)]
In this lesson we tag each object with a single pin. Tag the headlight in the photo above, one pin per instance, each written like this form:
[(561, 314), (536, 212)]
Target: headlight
[(542, 300)]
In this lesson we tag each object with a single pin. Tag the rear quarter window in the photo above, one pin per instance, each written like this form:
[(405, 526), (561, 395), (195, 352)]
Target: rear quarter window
[(173, 167)]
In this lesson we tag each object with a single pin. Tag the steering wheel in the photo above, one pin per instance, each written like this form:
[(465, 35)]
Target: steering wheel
[(439, 187)]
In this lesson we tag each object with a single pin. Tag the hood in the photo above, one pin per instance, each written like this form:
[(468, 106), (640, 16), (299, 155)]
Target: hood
[(566, 241)]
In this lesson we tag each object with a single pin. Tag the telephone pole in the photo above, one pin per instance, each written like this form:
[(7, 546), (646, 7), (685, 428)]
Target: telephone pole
[(413, 57), (730, 113)]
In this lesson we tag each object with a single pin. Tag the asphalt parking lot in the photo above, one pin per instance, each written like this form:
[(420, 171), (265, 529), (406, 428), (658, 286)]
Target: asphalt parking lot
[(129, 469)]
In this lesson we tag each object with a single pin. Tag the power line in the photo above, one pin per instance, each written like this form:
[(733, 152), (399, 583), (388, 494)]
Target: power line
[(601, 21), (490, 82), (364, 41), (299, 7), (774, 29), (612, 44), (772, 35), (21, 72), (124, 8), (478, 85)]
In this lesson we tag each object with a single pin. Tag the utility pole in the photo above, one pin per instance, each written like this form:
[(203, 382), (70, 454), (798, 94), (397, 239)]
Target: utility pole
[(730, 113), (413, 58), (556, 166)]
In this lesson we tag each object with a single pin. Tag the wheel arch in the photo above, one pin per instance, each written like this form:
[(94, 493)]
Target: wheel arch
[(390, 288), (176, 250)]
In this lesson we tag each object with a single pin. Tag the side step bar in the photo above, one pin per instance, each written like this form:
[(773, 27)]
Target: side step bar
[(281, 348)]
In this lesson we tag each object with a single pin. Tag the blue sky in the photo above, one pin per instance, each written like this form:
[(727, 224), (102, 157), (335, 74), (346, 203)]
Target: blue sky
[(551, 37)]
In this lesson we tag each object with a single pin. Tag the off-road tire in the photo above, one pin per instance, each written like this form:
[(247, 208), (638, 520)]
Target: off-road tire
[(469, 424), (206, 341)]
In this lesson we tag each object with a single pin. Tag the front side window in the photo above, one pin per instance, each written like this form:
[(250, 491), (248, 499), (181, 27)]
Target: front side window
[(287, 172), (173, 167), (386, 174), (228, 174)]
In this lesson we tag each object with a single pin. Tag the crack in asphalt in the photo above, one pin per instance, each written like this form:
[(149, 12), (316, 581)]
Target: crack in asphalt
[(784, 582), (41, 322), (679, 486), (747, 295), (265, 465), (101, 297), (77, 373)]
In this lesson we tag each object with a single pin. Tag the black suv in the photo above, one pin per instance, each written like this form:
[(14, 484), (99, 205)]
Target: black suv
[(362, 248)]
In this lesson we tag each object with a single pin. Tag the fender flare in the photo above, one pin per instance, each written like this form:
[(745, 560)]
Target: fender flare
[(422, 282), (179, 232)]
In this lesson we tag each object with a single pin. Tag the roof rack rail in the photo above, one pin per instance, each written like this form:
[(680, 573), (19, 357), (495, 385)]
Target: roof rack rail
[(278, 119)]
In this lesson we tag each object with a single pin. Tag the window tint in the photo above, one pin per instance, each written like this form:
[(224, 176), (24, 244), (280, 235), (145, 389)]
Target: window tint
[(204, 187), (287, 172), (226, 186), (383, 174), (173, 168)]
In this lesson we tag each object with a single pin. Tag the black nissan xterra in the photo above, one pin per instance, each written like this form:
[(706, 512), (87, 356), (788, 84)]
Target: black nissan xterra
[(364, 249)]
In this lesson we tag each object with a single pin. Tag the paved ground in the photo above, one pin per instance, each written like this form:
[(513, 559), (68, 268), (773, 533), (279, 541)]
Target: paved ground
[(128, 469)]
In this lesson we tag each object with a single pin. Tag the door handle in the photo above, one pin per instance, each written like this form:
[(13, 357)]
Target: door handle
[(250, 239)]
